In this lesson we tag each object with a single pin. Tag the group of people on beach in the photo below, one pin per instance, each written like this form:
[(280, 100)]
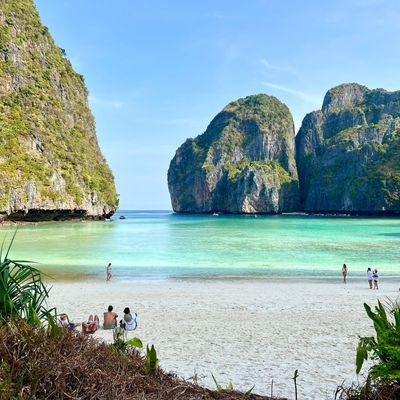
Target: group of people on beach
[(372, 276), (110, 318), (110, 321)]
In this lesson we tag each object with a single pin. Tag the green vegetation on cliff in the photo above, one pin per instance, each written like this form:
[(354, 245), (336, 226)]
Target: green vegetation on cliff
[(269, 167), (47, 132), (348, 153), (243, 162)]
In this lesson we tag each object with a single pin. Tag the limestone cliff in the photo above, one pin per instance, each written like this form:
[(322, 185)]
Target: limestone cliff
[(51, 166), (348, 153), (243, 163)]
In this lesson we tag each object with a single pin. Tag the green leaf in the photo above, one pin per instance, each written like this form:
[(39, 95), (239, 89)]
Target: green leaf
[(361, 355), (217, 385), (11, 243), (152, 364), (369, 311), (135, 342), (52, 328), (250, 390), (22, 291)]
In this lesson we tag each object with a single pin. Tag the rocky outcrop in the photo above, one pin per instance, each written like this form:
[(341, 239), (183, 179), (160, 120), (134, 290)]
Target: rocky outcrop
[(51, 166), (243, 163), (348, 153)]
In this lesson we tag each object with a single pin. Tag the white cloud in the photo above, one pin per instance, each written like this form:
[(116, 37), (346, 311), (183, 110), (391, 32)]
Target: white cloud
[(114, 104), (273, 67), (297, 93)]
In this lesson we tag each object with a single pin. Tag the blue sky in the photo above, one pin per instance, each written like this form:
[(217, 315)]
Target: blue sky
[(158, 71)]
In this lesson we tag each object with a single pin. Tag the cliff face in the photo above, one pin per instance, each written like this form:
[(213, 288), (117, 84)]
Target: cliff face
[(348, 153), (51, 166), (243, 163)]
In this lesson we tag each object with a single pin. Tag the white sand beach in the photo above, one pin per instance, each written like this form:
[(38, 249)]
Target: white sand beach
[(248, 331)]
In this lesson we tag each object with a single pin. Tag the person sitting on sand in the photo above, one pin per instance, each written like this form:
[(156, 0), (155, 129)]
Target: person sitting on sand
[(344, 273), (110, 318), (64, 322), (129, 322), (369, 277), (91, 325), (375, 276)]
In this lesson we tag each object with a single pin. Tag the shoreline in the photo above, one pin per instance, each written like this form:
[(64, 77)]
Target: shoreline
[(5, 221), (67, 277), (9, 222)]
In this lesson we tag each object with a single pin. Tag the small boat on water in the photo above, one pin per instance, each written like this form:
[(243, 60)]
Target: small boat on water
[(215, 214), (122, 217)]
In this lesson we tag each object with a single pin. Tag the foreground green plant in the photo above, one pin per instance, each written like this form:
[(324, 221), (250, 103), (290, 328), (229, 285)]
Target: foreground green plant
[(22, 291), (295, 376), (229, 387), (384, 349), (151, 360), (122, 345)]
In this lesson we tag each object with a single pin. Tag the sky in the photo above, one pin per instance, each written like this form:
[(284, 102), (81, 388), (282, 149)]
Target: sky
[(158, 71)]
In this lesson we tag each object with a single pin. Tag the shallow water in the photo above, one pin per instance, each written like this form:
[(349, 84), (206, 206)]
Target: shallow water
[(161, 244)]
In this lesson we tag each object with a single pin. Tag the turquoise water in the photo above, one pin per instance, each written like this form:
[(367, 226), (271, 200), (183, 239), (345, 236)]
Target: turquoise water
[(162, 244)]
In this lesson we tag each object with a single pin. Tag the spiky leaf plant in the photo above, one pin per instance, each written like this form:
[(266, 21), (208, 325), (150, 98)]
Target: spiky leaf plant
[(22, 291), (384, 349)]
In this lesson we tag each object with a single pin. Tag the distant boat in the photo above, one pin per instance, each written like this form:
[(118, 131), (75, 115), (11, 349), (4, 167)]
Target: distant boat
[(122, 217), (216, 214)]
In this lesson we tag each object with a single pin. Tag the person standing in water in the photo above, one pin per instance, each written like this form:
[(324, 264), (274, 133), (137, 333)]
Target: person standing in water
[(109, 272), (369, 277), (344, 273)]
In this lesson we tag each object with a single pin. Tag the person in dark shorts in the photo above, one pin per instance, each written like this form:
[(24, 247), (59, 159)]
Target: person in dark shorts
[(375, 276)]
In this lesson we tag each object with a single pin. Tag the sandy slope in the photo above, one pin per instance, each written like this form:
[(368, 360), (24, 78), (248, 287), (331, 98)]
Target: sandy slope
[(245, 330)]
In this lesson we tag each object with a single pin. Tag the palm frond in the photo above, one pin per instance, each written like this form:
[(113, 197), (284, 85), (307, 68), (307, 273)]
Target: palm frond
[(22, 291)]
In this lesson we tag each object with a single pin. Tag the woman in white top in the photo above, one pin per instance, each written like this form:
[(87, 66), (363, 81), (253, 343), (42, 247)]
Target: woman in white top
[(129, 322), (370, 278)]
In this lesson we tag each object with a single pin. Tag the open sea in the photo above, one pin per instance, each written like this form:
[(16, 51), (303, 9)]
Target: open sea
[(161, 244)]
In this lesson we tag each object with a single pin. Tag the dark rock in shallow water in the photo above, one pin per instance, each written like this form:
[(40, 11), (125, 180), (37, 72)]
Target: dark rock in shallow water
[(348, 153), (243, 163), (51, 167)]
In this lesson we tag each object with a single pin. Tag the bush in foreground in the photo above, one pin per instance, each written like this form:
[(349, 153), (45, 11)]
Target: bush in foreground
[(22, 291), (383, 381), (50, 364), (369, 391)]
